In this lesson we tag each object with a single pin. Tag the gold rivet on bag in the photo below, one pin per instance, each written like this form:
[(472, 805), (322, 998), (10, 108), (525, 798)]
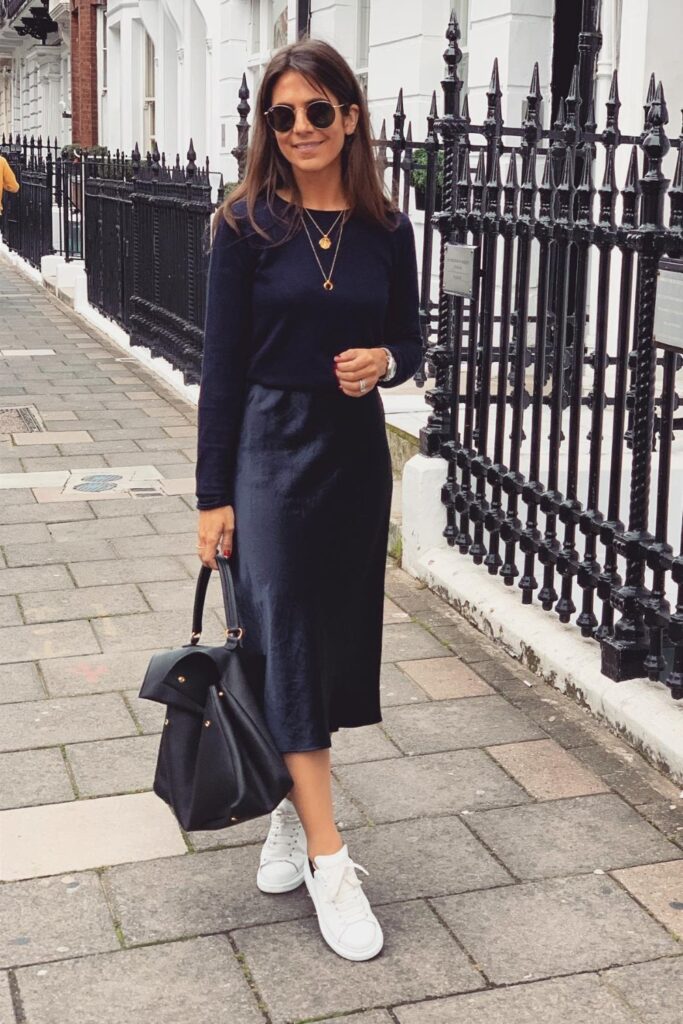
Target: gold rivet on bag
[(234, 819), (207, 722), (181, 679), (220, 693), (166, 722)]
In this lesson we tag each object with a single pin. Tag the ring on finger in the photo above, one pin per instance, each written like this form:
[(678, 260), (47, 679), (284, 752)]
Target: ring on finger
[(362, 385)]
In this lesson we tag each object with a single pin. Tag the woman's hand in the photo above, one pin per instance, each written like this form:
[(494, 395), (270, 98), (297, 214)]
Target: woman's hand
[(216, 527), (355, 364)]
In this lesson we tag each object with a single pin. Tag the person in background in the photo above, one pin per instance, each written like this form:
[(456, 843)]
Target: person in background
[(8, 182)]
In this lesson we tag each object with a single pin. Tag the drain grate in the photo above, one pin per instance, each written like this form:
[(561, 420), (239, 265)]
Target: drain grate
[(20, 419)]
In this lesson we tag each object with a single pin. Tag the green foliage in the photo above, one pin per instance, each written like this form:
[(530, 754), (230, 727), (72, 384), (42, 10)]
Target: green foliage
[(418, 175)]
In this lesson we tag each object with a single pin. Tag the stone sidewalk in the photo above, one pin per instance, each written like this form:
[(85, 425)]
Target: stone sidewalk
[(525, 864)]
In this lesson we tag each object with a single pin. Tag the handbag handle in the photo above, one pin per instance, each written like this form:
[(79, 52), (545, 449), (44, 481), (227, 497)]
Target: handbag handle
[(233, 631)]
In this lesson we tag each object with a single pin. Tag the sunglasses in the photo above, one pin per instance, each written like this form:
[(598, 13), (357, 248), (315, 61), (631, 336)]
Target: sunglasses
[(320, 114)]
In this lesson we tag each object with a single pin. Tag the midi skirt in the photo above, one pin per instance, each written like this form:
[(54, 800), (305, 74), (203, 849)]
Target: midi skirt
[(312, 497)]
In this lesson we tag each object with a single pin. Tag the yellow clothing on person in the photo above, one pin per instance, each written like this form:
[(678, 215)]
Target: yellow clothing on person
[(7, 179)]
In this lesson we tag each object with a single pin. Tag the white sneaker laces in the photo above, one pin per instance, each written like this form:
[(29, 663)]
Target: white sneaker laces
[(343, 889), (284, 834)]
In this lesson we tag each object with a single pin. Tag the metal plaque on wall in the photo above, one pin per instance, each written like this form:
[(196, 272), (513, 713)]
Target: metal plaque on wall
[(458, 270), (668, 330)]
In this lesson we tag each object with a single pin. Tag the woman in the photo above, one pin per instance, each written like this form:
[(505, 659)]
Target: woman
[(312, 302)]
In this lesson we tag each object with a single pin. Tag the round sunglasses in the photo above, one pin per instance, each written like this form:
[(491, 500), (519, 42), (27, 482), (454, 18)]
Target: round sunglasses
[(320, 114)]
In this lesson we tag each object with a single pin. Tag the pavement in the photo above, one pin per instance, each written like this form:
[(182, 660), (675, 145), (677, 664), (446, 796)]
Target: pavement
[(525, 863)]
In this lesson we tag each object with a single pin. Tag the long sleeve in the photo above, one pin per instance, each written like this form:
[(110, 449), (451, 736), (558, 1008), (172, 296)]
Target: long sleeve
[(402, 327), (227, 331)]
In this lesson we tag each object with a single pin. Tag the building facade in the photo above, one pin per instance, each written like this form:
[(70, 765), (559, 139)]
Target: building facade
[(164, 71)]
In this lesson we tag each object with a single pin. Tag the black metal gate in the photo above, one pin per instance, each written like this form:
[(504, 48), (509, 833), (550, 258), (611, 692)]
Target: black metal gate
[(534, 414)]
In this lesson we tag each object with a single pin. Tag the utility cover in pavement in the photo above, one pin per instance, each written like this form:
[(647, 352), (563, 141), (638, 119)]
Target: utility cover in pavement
[(20, 419)]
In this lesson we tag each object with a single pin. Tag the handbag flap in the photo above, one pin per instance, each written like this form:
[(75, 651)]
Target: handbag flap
[(180, 677)]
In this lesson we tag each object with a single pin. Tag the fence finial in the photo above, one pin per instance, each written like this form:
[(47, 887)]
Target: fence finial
[(191, 168)]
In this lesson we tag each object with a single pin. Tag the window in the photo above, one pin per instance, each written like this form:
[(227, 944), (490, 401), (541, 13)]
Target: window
[(255, 26), (363, 43), (104, 51), (280, 17), (149, 105)]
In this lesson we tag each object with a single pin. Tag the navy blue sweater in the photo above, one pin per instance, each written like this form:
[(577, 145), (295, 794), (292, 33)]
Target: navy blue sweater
[(269, 320)]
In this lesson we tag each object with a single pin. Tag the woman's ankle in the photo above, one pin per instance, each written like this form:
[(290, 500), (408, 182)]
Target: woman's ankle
[(324, 847)]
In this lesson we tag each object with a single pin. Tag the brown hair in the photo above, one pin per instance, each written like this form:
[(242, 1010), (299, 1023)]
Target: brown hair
[(267, 169)]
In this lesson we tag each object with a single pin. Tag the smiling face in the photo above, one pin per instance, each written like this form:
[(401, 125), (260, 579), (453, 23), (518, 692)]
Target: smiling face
[(309, 149)]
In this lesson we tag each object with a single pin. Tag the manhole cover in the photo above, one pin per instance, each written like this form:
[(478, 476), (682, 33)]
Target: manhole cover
[(19, 419)]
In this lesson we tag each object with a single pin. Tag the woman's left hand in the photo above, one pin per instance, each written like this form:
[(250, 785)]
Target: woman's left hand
[(356, 364)]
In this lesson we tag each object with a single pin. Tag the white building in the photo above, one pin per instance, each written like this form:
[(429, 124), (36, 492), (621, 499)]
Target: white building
[(35, 77), (169, 70)]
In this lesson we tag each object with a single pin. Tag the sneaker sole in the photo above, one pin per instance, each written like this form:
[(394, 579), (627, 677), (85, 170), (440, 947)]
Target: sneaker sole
[(282, 887), (340, 950)]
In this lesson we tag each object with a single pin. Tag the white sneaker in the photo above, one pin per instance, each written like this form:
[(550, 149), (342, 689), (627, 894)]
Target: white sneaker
[(281, 865), (346, 920)]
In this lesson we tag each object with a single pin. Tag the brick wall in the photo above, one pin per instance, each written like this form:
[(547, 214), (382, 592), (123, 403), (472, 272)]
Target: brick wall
[(84, 71)]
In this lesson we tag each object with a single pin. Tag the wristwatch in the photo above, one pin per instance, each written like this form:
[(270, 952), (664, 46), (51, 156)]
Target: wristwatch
[(391, 366)]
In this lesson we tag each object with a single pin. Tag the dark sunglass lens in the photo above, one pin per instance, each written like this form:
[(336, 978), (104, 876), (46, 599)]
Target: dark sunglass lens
[(320, 113), (281, 118)]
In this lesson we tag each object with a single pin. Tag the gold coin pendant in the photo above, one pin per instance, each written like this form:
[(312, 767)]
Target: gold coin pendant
[(325, 242), (328, 286)]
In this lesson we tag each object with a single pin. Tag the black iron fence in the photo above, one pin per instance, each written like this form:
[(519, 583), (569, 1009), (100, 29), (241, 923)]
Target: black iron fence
[(140, 225), (548, 426)]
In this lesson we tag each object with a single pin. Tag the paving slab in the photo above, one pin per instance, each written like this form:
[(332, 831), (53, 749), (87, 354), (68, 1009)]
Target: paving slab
[(409, 640), (29, 777), (106, 767), (546, 770), (429, 785), (364, 743), (64, 720), (54, 918), (580, 1000), (659, 887), (10, 613), (444, 678), (457, 724), (438, 856), (6, 1008), (419, 959), (396, 687), (24, 533), (147, 713), (95, 529), (82, 602), (85, 834), (53, 512), (653, 990), (207, 892), (555, 927), (154, 630), (46, 640), (96, 673), (20, 682), (48, 554), (571, 836), (173, 983)]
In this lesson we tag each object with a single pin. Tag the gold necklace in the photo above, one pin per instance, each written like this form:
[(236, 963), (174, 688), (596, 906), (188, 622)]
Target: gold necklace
[(325, 242), (327, 278)]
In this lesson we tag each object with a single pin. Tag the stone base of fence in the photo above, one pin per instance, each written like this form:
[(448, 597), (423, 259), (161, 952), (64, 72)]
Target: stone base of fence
[(640, 711)]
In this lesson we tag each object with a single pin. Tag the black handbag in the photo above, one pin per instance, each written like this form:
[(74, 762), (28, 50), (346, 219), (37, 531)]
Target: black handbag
[(217, 762)]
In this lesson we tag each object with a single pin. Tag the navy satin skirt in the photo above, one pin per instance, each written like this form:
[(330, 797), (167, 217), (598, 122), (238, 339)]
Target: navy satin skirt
[(312, 498)]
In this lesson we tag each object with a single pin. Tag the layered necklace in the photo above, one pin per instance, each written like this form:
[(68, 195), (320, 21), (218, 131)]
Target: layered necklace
[(325, 242)]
